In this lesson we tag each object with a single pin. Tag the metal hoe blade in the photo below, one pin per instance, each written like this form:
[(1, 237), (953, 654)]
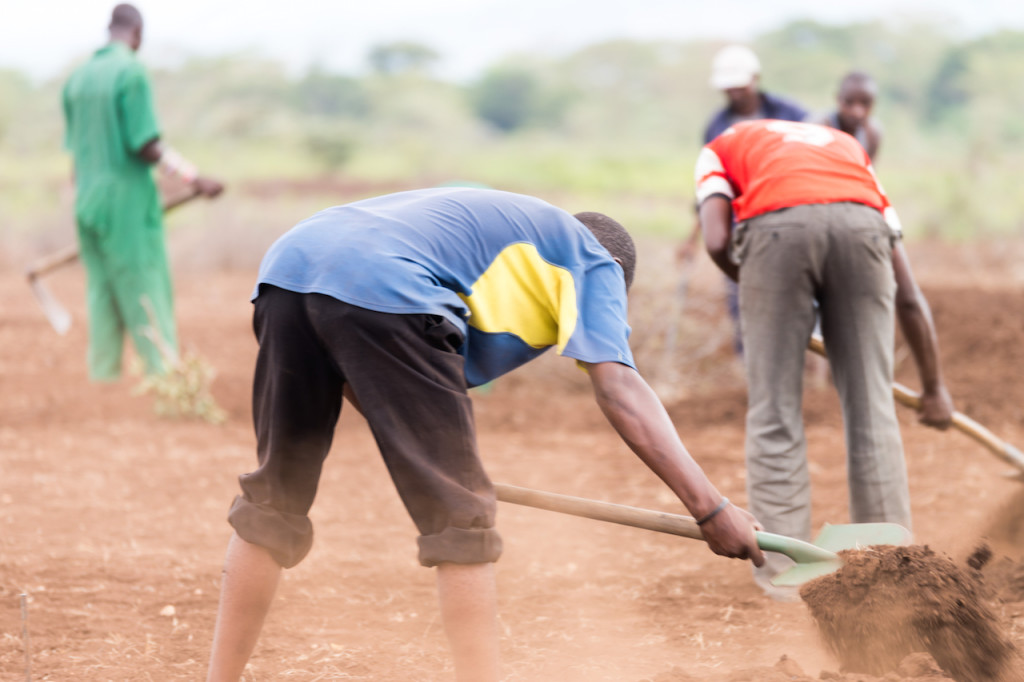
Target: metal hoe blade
[(58, 316)]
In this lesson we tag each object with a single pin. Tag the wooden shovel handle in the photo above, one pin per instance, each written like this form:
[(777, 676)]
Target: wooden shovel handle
[(961, 422), (647, 519), (662, 522)]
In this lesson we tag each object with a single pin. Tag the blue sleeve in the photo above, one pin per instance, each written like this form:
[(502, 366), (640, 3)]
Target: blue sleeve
[(602, 330)]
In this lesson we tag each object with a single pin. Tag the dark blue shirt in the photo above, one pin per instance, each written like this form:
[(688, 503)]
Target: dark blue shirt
[(771, 107)]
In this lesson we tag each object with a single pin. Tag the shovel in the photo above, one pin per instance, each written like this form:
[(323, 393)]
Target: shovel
[(812, 559), (961, 422)]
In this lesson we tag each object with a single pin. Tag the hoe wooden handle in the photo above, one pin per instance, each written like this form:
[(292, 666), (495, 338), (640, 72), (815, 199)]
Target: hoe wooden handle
[(177, 201), (69, 254), (40, 267), (961, 422)]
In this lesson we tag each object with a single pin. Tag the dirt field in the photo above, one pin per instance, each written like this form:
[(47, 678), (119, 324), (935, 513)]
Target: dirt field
[(112, 520)]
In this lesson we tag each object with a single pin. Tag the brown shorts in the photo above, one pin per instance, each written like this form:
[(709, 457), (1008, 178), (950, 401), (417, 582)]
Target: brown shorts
[(408, 378)]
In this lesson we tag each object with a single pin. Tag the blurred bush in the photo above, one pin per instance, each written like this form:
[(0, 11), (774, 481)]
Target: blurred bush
[(614, 126)]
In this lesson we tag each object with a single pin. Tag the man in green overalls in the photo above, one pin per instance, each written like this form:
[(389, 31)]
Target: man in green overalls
[(113, 135)]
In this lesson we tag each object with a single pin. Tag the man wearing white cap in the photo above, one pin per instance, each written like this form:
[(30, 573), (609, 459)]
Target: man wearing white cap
[(736, 71)]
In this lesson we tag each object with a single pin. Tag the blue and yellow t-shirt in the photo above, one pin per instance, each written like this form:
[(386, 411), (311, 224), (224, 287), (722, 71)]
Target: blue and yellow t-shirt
[(514, 273)]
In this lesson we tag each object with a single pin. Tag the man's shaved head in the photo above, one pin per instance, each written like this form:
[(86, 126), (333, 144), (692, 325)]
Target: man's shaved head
[(614, 237), (857, 80), (126, 16), (126, 25), (856, 98)]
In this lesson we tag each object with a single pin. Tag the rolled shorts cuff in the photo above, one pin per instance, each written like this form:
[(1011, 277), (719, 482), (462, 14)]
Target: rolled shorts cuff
[(460, 546), (288, 537)]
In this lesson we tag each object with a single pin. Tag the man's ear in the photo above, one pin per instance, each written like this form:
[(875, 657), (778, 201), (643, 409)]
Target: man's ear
[(617, 260)]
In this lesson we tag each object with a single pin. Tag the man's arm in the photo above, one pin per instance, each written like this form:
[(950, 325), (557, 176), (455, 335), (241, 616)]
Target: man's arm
[(716, 223), (142, 133), (687, 249), (633, 409), (874, 137), (915, 320), (173, 163)]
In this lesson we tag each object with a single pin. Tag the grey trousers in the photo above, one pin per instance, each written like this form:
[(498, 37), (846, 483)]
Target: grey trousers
[(839, 255)]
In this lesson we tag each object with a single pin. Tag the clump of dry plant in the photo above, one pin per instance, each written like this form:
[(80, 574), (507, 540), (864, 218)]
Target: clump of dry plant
[(183, 390)]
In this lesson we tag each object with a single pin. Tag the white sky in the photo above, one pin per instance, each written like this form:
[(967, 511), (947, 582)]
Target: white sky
[(41, 37)]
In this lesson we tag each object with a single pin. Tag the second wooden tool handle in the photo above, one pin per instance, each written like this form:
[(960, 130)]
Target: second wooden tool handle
[(961, 422)]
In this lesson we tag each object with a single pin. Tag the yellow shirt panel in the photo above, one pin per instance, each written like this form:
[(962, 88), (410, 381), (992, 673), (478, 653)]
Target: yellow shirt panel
[(522, 294)]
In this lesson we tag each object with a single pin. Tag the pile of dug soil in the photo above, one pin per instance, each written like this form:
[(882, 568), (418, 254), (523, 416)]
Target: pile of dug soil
[(914, 668), (887, 602), (1005, 579)]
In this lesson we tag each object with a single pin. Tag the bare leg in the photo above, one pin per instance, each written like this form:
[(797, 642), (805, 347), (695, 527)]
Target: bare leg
[(469, 611), (249, 583)]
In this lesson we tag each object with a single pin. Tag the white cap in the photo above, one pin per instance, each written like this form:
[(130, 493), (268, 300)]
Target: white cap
[(734, 67)]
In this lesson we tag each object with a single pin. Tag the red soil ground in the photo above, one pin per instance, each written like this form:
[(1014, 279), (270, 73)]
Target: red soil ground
[(112, 520)]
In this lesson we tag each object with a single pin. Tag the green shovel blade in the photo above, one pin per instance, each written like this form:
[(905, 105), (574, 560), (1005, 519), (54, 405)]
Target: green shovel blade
[(860, 535), (802, 573), (814, 560)]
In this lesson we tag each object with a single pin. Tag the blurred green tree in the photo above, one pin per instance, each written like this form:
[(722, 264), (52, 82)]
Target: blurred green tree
[(390, 59), (326, 94), (948, 93), (507, 98), (331, 145), (610, 117), (14, 89)]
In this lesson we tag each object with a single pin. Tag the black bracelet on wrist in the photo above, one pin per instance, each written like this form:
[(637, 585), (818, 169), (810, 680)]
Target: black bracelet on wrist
[(714, 512)]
